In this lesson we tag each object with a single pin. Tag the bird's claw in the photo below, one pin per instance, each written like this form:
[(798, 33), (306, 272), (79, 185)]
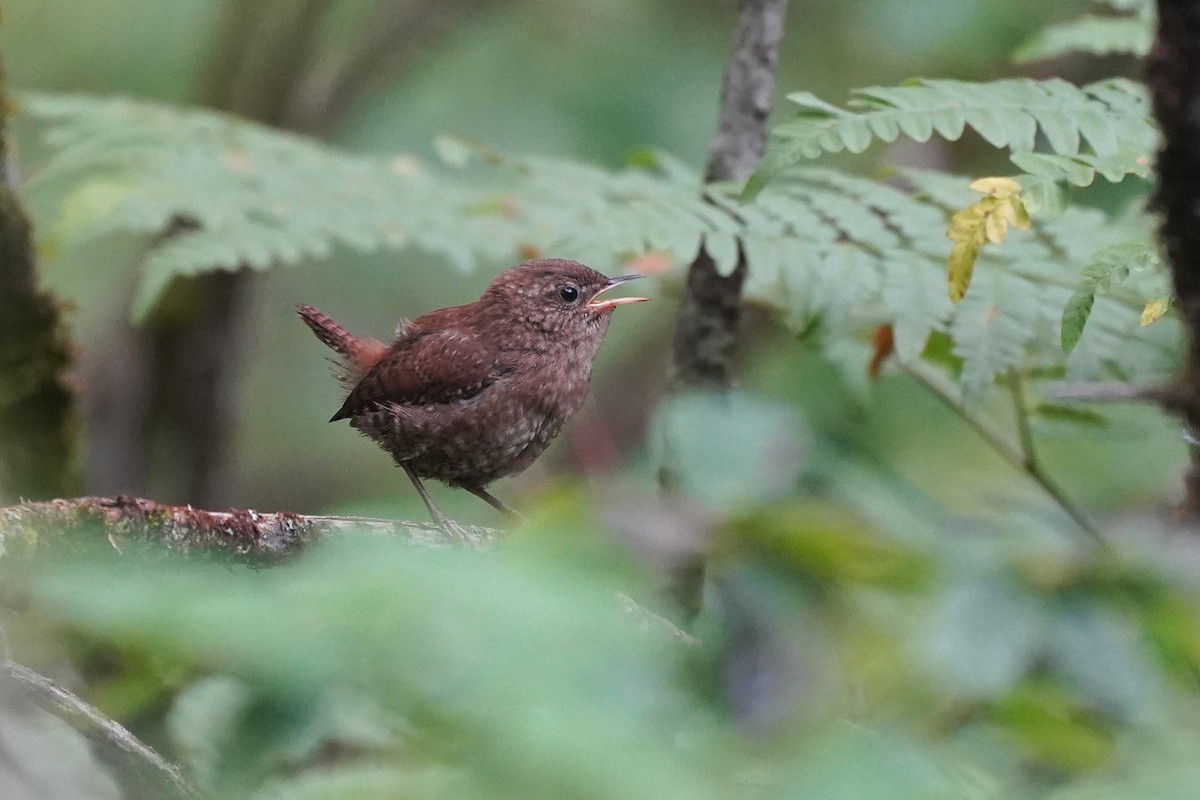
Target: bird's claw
[(452, 529)]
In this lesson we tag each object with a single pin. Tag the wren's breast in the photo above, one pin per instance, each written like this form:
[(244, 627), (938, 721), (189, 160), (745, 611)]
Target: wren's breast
[(500, 431)]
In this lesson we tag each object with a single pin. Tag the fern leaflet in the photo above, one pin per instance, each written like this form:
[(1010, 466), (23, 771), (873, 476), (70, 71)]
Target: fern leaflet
[(1093, 34), (1111, 117)]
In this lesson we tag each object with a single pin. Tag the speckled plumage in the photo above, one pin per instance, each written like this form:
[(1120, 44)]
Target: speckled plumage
[(476, 392)]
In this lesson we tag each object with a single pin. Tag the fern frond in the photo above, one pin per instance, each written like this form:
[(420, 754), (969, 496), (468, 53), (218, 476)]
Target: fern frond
[(253, 197), (1108, 120), (993, 325), (830, 251)]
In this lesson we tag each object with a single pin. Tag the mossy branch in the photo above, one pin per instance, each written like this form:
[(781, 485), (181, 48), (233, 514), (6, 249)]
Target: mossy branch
[(244, 533)]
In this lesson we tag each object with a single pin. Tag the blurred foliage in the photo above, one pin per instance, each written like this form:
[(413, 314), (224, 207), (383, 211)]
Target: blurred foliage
[(891, 609), (836, 656)]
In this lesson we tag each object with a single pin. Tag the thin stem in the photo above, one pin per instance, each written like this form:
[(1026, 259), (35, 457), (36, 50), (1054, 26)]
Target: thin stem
[(983, 427), (50, 692), (1110, 393), (1033, 465), (1020, 454), (1024, 431)]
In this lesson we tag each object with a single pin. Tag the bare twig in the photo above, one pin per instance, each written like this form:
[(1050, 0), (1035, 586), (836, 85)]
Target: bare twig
[(748, 93), (706, 330), (1021, 454), (241, 532), (707, 325), (47, 691)]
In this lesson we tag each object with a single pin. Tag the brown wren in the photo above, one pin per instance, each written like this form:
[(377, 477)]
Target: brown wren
[(472, 393)]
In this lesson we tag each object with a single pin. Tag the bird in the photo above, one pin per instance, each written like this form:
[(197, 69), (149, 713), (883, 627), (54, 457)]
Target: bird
[(472, 393)]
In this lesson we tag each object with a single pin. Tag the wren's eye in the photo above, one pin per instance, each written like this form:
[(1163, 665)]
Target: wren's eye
[(568, 293)]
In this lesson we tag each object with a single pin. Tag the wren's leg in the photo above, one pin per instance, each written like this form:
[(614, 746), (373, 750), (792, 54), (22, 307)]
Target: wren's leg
[(496, 503), (452, 528)]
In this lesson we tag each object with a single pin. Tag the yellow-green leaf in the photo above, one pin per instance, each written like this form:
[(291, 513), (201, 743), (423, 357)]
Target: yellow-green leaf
[(1154, 310), (996, 187), (1052, 728), (961, 262), (1020, 214), (979, 223), (996, 226)]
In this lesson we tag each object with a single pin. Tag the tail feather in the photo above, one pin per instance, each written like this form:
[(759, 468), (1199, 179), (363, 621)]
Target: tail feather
[(360, 353)]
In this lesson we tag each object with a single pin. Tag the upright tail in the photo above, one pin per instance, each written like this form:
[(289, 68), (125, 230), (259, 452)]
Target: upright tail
[(360, 354)]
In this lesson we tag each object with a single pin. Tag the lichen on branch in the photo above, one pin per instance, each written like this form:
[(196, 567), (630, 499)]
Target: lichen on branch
[(249, 535)]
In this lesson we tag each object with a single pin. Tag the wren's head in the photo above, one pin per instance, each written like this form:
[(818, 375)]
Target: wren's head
[(559, 298)]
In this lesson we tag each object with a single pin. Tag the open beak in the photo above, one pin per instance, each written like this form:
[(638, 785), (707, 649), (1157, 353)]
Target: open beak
[(601, 305)]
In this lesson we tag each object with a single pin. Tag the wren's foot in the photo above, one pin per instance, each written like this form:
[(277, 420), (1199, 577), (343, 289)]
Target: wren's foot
[(452, 528)]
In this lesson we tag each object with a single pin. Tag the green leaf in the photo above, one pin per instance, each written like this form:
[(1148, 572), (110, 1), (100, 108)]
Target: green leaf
[(91, 202), (1100, 654), (1107, 268), (1053, 728), (982, 637), (370, 781), (723, 249), (825, 249), (1075, 315), (728, 451)]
